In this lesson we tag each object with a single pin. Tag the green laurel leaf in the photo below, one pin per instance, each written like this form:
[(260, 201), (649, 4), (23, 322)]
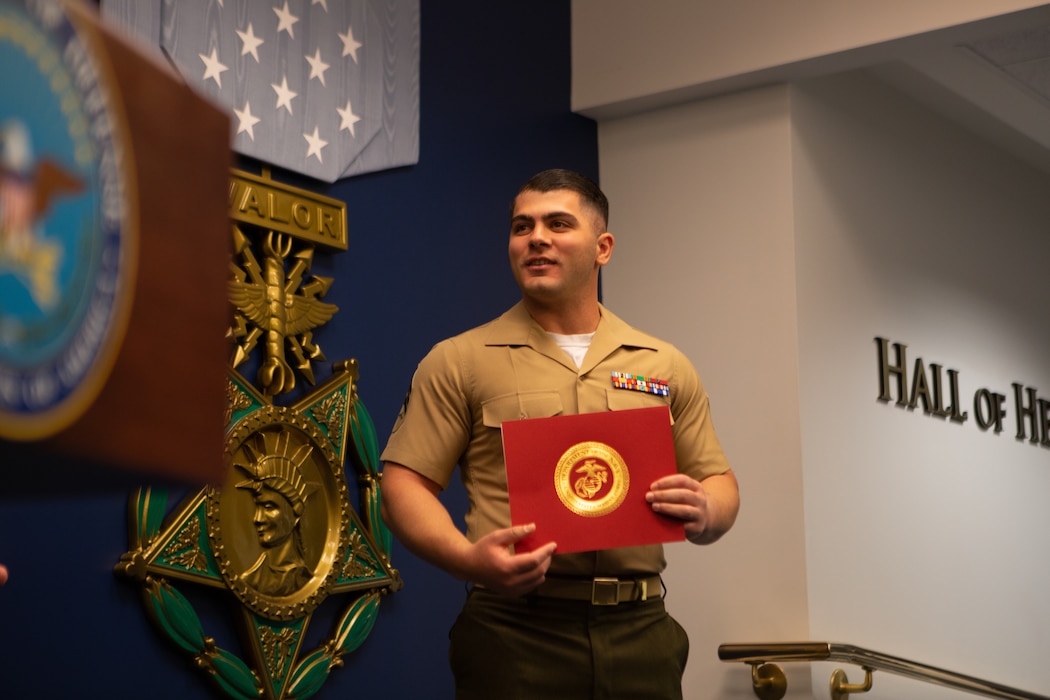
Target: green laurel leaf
[(364, 432), (148, 506), (373, 500), (156, 609), (175, 615), (352, 630), (233, 675), (310, 674), (357, 622)]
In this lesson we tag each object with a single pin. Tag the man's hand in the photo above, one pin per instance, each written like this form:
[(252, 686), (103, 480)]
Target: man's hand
[(492, 565), (414, 514), (708, 508)]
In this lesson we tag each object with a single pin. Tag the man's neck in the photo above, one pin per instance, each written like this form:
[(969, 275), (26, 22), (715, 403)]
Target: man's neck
[(566, 321)]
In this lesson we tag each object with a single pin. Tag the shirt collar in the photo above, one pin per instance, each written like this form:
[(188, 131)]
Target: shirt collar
[(516, 327)]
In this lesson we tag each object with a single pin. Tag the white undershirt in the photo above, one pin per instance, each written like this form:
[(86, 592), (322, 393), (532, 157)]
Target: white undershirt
[(575, 345)]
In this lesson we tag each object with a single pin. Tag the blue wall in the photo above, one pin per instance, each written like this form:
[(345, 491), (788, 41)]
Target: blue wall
[(427, 259)]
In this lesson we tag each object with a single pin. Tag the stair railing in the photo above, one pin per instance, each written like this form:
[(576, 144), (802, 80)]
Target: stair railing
[(770, 683)]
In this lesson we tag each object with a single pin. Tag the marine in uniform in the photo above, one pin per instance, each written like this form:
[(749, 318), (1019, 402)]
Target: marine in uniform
[(578, 625)]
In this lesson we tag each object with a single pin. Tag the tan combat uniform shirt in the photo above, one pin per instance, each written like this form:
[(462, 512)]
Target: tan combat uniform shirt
[(511, 368)]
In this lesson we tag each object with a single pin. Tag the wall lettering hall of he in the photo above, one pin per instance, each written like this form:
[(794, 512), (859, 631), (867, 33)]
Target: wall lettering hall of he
[(937, 390)]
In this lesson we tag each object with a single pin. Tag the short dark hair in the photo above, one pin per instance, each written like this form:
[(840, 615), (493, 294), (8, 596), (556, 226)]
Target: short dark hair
[(561, 179)]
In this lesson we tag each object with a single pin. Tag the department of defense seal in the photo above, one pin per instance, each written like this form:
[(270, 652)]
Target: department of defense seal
[(591, 479), (67, 258)]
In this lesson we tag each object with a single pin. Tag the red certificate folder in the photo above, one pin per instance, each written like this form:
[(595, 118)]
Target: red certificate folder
[(582, 479)]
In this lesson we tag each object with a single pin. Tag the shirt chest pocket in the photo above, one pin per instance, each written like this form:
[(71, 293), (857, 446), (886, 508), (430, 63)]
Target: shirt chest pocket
[(534, 404), (623, 399)]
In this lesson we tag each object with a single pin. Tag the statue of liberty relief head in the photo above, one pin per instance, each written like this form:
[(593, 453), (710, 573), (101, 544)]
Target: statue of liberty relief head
[(280, 493)]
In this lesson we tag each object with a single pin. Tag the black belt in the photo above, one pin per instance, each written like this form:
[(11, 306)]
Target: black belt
[(602, 590)]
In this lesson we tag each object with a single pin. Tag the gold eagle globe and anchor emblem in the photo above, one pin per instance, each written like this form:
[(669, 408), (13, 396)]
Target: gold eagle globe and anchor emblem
[(281, 535), (591, 479)]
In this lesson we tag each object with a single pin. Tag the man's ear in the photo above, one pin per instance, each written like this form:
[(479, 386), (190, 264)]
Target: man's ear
[(604, 246)]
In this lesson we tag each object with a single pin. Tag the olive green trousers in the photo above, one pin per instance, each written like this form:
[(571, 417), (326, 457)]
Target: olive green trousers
[(551, 649)]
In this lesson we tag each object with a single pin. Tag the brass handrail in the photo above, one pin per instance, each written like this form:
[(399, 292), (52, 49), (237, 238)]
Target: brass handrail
[(772, 685)]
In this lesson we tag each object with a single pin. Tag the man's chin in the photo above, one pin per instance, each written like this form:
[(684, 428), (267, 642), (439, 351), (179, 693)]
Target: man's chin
[(540, 286)]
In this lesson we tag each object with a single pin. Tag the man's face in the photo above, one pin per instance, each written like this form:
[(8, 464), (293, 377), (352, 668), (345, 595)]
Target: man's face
[(556, 246), (274, 519)]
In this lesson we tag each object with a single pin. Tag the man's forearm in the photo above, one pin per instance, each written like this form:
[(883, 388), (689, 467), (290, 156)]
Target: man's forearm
[(415, 515), (723, 504), (412, 511)]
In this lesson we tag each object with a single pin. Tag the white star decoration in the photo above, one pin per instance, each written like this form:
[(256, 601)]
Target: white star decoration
[(251, 42), (350, 45), (317, 66), (343, 73), (284, 95), (285, 20), (212, 68), (316, 144), (348, 119), (246, 121)]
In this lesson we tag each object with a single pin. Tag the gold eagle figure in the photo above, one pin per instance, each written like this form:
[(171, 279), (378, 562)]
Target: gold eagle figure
[(594, 477), (28, 188), (271, 304)]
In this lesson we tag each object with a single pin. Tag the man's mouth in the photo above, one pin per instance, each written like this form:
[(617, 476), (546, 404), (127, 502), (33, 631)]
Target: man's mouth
[(539, 262)]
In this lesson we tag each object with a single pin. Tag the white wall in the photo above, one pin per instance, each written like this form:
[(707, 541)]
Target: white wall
[(793, 225), (702, 214), (629, 55), (924, 536)]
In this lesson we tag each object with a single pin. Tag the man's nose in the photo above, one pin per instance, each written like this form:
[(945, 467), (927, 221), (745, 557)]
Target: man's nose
[(539, 237)]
